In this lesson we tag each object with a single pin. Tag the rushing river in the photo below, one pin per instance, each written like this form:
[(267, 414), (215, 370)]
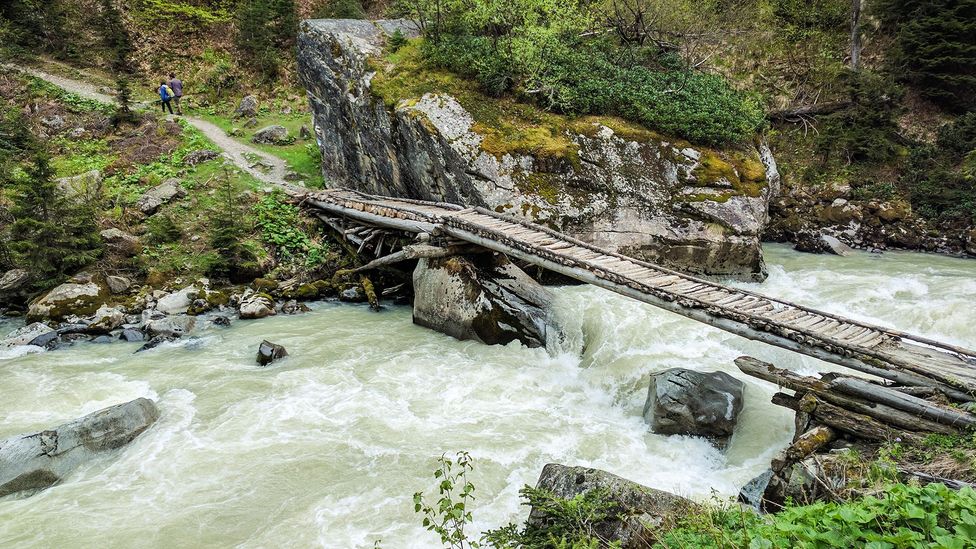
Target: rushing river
[(327, 447)]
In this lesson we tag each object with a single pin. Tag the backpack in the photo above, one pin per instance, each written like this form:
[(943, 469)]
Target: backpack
[(165, 92)]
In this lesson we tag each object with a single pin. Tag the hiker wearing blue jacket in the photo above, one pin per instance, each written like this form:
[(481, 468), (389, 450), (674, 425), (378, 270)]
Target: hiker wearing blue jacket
[(166, 95)]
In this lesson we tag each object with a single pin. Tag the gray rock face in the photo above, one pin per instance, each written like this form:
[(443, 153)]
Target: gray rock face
[(481, 297), (637, 509), (248, 107), (635, 192), (32, 462), (118, 284), (269, 352), (271, 135), (14, 286), (83, 184), (122, 242), (685, 402), (159, 195)]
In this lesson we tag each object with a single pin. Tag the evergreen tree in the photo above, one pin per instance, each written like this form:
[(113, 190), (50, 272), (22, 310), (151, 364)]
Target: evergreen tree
[(119, 45), (264, 28), (936, 47), (50, 235), (227, 230)]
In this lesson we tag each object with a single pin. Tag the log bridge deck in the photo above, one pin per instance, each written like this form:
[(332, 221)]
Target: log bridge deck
[(902, 358)]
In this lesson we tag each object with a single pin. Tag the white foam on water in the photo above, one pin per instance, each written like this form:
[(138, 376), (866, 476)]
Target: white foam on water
[(326, 447)]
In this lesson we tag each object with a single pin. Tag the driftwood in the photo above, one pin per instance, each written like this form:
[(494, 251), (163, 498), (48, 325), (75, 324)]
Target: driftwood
[(823, 389), (928, 479), (902, 401), (806, 444), (858, 425), (413, 251)]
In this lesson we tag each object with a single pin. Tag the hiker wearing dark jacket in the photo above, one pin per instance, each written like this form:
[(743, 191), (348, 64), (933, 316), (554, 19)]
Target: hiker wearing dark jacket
[(165, 95), (176, 85)]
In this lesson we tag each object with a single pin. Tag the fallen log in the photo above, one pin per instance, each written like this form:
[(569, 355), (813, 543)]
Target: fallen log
[(808, 110), (903, 401), (413, 251), (928, 479), (858, 425), (822, 388)]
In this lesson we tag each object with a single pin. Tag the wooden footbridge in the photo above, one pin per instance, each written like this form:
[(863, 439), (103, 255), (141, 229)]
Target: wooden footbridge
[(903, 358)]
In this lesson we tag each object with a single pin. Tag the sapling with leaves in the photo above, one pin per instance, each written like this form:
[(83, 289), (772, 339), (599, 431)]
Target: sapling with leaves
[(449, 515)]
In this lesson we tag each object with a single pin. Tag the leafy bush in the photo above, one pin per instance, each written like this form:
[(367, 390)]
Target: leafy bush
[(172, 13), (903, 516), (281, 228), (541, 51)]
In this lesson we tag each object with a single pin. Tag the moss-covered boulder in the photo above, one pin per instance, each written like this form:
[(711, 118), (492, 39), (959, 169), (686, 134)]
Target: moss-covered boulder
[(389, 124), (78, 298)]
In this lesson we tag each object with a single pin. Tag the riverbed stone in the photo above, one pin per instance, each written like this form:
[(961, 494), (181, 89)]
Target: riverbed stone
[(269, 352), (105, 320), (482, 297), (39, 460), (686, 402), (256, 305), (177, 302), (47, 340), (14, 286), (25, 334), (131, 335), (70, 299), (160, 195), (636, 509), (171, 326)]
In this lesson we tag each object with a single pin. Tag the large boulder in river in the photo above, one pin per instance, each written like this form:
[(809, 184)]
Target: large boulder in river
[(72, 298), (483, 297), (635, 512), (269, 352), (686, 402), (39, 460), (159, 195), (26, 334), (604, 180), (171, 326), (14, 286), (256, 305)]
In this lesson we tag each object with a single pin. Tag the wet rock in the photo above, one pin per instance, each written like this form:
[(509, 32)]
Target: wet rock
[(105, 320), (220, 320), (835, 246), (178, 302), (752, 493), (813, 242), (637, 510), (131, 335), (269, 352), (40, 460), (292, 307), (48, 340), (248, 107), (256, 305), (118, 284), (655, 198), (171, 326), (102, 339), (26, 334), (482, 297), (156, 342), (685, 402), (353, 294), (160, 195), (73, 298), (121, 242), (199, 157), (271, 135), (815, 478)]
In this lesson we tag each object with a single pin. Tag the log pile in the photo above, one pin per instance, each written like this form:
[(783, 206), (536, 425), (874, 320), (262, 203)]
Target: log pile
[(837, 407)]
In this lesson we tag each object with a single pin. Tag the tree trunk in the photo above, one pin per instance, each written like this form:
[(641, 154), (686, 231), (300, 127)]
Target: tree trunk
[(855, 35)]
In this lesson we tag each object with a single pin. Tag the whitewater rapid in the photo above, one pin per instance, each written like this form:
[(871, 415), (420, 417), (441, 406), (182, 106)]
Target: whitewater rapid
[(327, 447)]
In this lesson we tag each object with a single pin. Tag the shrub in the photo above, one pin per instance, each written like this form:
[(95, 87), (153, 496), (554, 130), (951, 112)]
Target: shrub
[(341, 9)]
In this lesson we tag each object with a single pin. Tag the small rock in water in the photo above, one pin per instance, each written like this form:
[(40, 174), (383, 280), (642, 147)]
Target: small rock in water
[(171, 326), (220, 320), (269, 352), (103, 339), (131, 335), (47, 340), (156, 342)]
